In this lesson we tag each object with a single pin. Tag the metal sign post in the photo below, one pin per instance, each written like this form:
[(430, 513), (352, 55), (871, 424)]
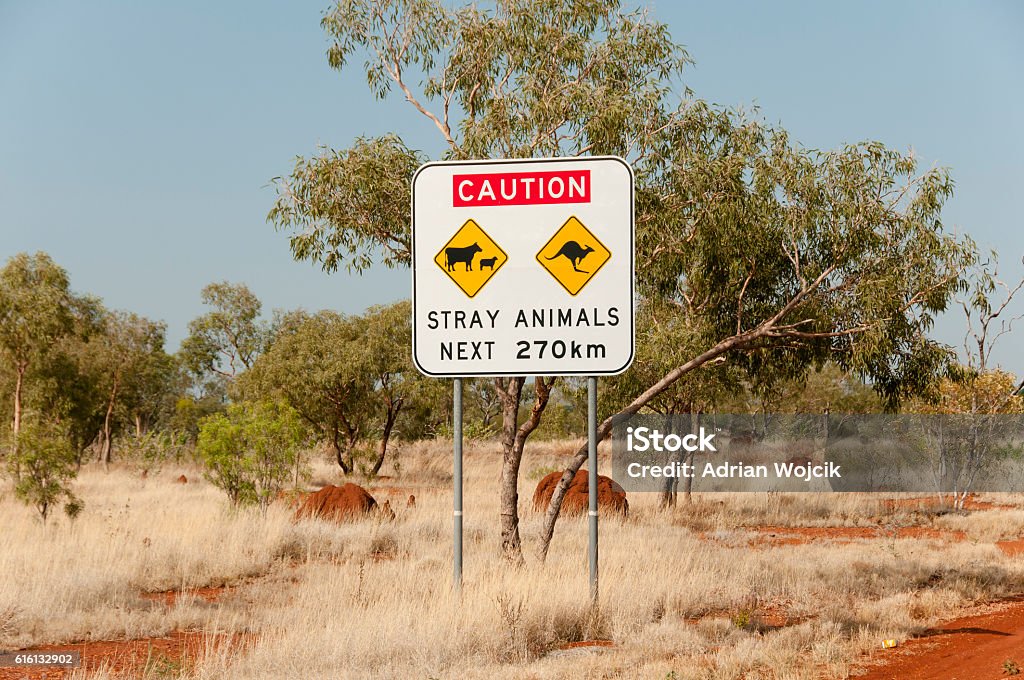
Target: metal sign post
[(592, 480), (457, 477)]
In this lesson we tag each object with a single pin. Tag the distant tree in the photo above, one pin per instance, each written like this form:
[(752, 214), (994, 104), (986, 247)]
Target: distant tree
[(226, 340), (664, 340), (313, 368), (46, 463), (250, 451), (976, 399), (386, 337), (484, 401), (126, 354), (151, 392), (37, 309), (986, 303), (349, 377)]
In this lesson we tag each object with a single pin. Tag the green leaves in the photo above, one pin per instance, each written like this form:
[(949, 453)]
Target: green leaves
[(227, 339), (522, 79), (43, 465), (796, 255), (803, 256), (344, 208), (346, 376), (37, 307), (250, 451)]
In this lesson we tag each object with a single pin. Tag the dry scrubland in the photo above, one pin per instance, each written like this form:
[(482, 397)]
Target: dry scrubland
[(694, 593)]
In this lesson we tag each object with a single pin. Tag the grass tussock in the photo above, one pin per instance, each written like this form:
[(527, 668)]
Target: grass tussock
[(374, 599)]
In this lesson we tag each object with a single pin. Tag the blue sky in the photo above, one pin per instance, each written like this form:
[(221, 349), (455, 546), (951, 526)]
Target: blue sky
[(137, 139)]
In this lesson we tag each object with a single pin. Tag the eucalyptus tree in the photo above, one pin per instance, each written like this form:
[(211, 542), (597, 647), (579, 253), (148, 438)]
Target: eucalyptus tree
[(772, 257), (521, 79), (128, 352), (977, 399), (37, 311), (226, 340), (311, 366), (348, 377), (780, 258)]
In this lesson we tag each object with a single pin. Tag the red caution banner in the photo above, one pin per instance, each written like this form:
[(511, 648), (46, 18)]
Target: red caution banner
[(520, 188)]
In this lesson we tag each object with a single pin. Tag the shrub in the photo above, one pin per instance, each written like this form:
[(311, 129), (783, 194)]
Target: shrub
[(249, 452), (42, 465)]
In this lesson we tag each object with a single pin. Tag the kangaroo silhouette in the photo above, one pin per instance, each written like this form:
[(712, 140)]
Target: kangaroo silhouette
[(575, 253)]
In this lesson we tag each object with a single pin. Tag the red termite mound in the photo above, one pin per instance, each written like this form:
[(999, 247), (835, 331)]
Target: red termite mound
[(182, 480), (610, 496), (338, 503)]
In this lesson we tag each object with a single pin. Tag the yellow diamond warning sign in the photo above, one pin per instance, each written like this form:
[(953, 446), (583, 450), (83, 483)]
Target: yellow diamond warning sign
[(573, 256), (470, 258)]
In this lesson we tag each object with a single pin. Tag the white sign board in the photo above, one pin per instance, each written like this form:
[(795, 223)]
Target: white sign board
[(523, 267)]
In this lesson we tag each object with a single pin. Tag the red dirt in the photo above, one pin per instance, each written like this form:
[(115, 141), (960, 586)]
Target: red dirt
[(934, 503), (338, 503), (182, 479), (969, 648), (130, 656), (169, 597), (802, 535), (587, 643), (1012, 548), (610, 496)]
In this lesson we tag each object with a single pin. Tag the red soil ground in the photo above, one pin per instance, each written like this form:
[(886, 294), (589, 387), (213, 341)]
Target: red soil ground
[(1012, 548), (131, 656), (169, 597), (801, 535), (969, 648), (587, 643)]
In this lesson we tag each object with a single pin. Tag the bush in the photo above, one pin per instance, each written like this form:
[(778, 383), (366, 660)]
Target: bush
[(42, 465), (250, 451)]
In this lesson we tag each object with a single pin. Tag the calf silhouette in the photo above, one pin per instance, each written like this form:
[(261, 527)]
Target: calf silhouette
[(466, 254), (488, 263), (575, 253)]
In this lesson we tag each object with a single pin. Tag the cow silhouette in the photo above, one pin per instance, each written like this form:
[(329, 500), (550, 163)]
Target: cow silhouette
[(573, 252), (488, 263), (466, 254)]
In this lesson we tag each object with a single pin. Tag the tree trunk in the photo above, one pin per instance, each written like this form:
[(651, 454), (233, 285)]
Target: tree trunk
[(16, 426), (668, 494), (513, 441), (108, 424), (511, 390), (688, 483), (339, 452), (389, 424), (671, 484), (605, 428), (19, 385)]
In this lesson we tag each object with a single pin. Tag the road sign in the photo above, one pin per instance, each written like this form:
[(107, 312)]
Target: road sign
[(523, 267)]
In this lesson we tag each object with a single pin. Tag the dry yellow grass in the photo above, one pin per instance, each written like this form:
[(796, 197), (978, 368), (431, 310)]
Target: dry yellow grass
[(686, 594)]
